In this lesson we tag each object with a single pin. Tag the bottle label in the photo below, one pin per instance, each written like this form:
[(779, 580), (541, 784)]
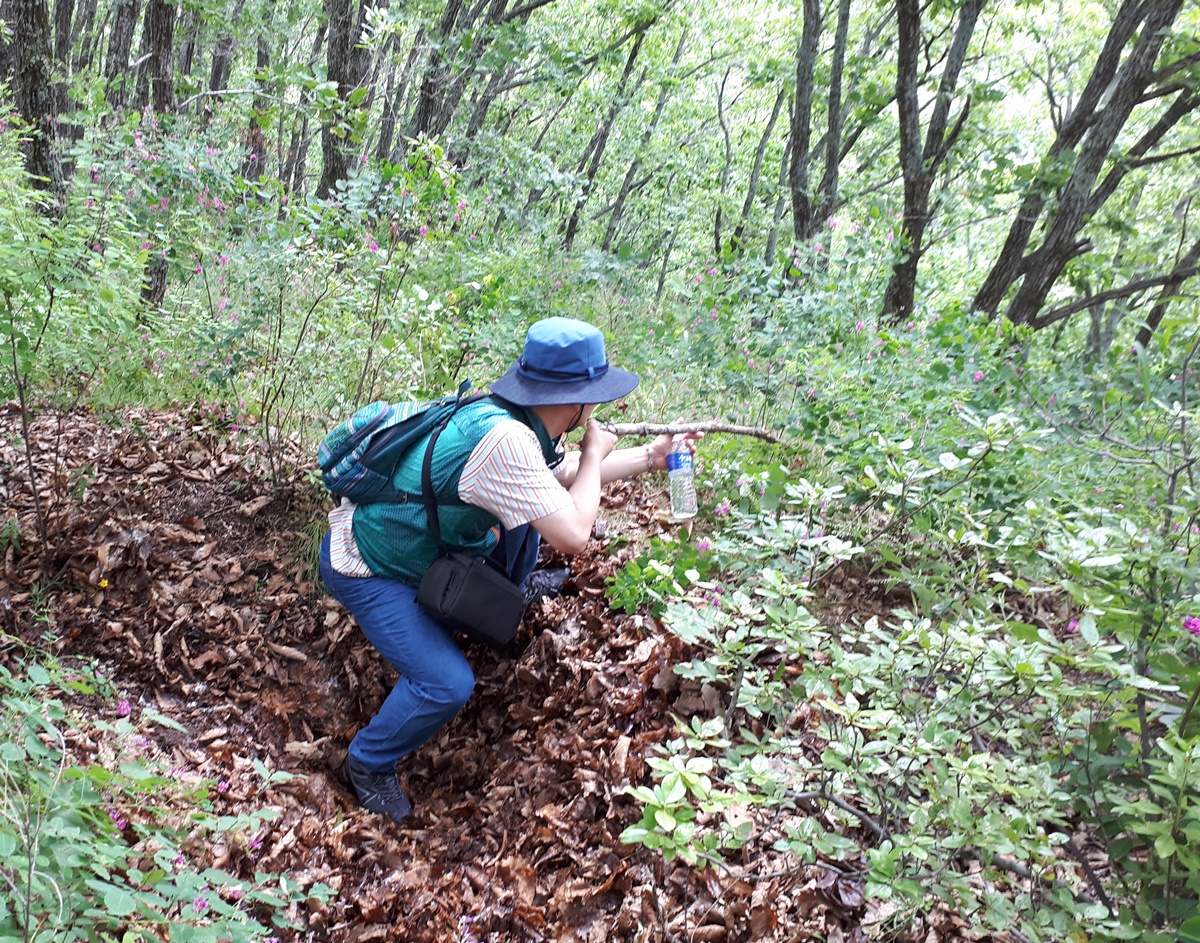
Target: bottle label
[(679, 461)]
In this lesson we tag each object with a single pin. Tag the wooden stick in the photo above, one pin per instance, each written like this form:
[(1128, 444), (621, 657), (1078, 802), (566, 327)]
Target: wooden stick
[(656, 428)]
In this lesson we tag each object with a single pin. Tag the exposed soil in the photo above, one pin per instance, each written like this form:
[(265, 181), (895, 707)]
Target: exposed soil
[(179, 566)]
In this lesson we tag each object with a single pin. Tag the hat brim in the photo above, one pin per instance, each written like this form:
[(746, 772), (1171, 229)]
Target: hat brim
[(525, 392)]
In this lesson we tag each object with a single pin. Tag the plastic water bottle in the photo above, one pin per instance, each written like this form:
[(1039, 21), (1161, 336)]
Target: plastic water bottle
[(682, 480)]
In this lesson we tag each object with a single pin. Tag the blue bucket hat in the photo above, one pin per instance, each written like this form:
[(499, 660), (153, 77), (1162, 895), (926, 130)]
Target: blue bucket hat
[(563, 363)]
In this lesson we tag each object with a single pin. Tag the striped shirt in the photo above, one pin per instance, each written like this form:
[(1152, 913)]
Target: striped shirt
[(505, 474)]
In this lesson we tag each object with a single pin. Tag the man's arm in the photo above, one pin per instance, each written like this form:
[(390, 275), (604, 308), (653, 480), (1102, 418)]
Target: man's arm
[(569, 530)]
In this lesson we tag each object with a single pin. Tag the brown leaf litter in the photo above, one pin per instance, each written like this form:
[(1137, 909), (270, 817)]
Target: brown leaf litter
[(186, 573)]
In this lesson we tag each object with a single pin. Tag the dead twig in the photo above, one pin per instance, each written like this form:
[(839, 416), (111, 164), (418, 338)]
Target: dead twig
[(675, 428)]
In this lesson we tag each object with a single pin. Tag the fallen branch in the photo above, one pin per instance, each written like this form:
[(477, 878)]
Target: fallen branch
[(657, 428)]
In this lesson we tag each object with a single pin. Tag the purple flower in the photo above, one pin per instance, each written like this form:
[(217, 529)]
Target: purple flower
[(200, 904), (1072, 625), (978, 376), (722, 509), (703, 545), (1192, 624), (859, 326), (123, 708)]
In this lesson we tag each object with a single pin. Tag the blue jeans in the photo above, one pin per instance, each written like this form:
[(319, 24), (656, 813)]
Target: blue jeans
[(435, 678)]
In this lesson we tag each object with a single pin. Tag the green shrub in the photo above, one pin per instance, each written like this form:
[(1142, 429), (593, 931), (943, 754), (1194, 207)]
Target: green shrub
[(89, 852)]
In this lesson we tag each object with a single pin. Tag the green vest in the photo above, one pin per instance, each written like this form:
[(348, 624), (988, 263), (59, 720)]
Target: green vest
[(393, 537)]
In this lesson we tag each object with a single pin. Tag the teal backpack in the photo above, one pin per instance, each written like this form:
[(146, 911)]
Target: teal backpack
[(360, 455)]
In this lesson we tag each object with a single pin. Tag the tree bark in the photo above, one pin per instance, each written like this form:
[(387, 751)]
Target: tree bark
[(346, 63), (827, 189), (189, 32), (83, 36), (920, 164), (120, 42), (739, 231), (599, 139), (393, 101), (436, 73), (781, 201), (1085, 139), (156, 74), (255, 159), (28, 59), (801, 132), (726, 167)]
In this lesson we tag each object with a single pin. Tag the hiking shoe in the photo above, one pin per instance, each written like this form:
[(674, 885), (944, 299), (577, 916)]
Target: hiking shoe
[(377, 791), (545, 584)]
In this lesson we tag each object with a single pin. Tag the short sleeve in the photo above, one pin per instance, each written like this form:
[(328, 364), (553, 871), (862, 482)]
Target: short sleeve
[(507, 475)]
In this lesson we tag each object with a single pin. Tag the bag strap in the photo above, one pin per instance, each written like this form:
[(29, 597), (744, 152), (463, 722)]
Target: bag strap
[(427, 493)]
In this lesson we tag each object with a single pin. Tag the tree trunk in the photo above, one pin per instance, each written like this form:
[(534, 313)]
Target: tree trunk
[(726, 167), (735, 241), (1183, 270), (827, 189), (189, 32), (255, 159), (801, 134), (1116, 82), (920, 164), (28, 59), (1062, 242), (64, 11), (781, 204), (297, 153), (627, 185), (599, 140), (436, 73), (120, 42), (222, 66), (83, 36), (346, 64), (156, 74), (393, 101)]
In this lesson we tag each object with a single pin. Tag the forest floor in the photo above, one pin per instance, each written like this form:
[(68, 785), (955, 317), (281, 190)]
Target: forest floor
[(187, 575)]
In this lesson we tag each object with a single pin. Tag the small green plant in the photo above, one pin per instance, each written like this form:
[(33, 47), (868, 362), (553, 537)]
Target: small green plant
[(88, 852), (665, 570)]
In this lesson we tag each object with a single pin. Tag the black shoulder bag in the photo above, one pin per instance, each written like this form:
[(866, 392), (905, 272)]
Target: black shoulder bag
[(463, 591)]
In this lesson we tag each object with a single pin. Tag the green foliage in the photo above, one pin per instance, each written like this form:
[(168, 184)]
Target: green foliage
[(665, 569), (104, 852)]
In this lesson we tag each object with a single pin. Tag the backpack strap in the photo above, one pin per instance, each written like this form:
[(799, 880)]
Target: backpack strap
[(427, 491)]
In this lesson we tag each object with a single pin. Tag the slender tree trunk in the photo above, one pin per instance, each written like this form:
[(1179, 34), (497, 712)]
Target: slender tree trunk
[(189, 38), (920, 164), (120, 43), (599, 140), (156, 74), (627, 185), (83, 36), (255, 159), (222, 66), (735, 241), (393, 101), (726, 166), (346, 64), (781, 204), (662, 269), (436, 73), (827, 189), (806, 63), (297, 153), (64, 11), (1106, 94)]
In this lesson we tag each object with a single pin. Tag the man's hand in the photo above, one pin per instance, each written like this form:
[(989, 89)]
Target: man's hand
[(596, 441), (661, 447)]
